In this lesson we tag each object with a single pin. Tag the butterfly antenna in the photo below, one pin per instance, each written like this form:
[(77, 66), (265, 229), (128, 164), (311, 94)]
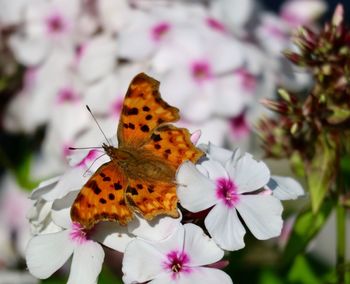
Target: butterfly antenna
[(97, 124), (83, 148), (84, 175)]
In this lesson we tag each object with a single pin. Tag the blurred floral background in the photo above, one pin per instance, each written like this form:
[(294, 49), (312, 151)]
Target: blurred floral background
[(216, 61)]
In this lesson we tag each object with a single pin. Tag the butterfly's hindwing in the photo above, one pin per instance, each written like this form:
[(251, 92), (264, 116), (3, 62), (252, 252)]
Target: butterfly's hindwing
[(152, 198), (102, 198)]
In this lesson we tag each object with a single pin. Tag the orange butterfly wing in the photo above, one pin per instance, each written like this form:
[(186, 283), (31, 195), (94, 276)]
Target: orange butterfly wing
[(152, 198), (173, 145), (143, 111), (102, 198)]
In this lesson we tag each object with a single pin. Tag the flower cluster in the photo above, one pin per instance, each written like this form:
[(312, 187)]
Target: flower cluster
[(214, 61), (314, 129), (165, 250)]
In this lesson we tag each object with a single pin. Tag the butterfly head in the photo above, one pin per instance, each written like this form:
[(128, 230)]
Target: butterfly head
[(110, 150)]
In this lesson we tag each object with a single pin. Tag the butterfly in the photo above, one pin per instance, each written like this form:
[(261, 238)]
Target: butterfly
[(140, 176)]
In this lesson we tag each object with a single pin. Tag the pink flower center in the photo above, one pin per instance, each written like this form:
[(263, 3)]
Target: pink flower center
[(177, 262), (78, 234), (160, 30), (67, 94), (215, 24), (248, 80), (239, 126), (201, 71), (55, 23), (226, 191)]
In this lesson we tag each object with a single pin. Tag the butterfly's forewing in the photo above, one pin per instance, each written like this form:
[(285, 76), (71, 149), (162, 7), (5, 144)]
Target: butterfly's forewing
[(102, 198), (173, 145), (152, 198), (143, 111)]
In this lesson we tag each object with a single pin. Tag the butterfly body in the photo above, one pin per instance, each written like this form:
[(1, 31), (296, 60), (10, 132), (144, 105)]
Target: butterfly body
[(141, 174), (138, 163)]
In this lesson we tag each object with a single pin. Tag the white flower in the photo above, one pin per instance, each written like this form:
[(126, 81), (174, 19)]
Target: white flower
[(11, 11), (46, 253), (227, 182), (184, 257), (48, 26), (14, 228)]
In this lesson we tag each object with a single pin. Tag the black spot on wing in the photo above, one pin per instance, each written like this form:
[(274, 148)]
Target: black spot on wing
[(93, 185), (117, 186), (156, 137), (144, 128)]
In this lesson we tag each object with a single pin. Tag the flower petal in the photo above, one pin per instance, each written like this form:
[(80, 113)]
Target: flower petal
[(159, 228), (44, 187), (219, 154), (141, 262), (86, 264), (195, 191), (47, 253), (248, 174), (285, 188), (262, 215), (72, 179), (214, 169), (61, 210), (204, 275), (111, 235), (225, 228), (201, 249)]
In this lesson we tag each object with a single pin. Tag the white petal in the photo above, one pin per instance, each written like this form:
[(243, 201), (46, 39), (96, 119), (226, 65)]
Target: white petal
[(159, 228), (285, 188), (98, 59), (111, 235), (219, 154), (214, 169), (248, 174), (44, 187), (142, 261), (72, 180), (61, 210), (86, 264), (29, 51), (225, 228), (47, 253), (201, 249), (195, 191), (203, 275), (262, 215)]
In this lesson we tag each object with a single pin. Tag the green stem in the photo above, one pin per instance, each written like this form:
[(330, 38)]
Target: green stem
[(341, 242)]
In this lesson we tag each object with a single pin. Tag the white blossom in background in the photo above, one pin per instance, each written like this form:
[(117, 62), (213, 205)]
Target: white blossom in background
[(214, 63), (14, 227)]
